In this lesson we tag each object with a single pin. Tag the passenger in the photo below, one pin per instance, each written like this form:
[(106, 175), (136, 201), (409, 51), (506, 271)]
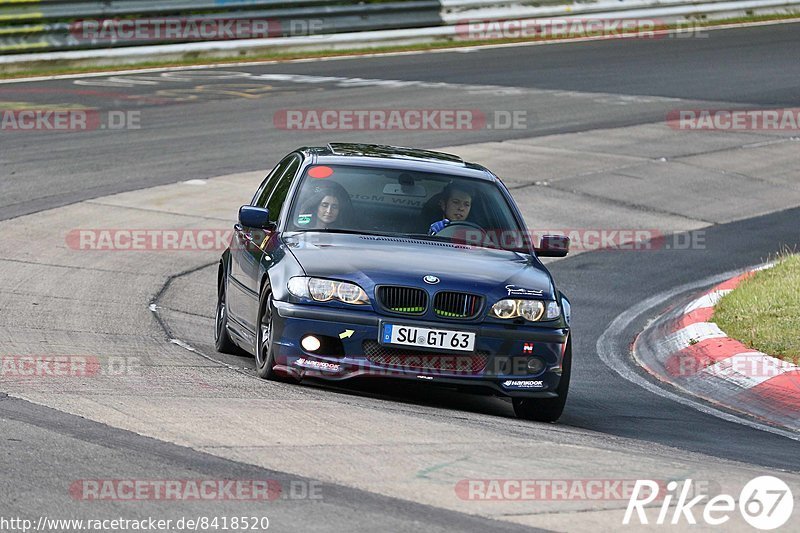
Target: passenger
[(328, 206), (455, 203)]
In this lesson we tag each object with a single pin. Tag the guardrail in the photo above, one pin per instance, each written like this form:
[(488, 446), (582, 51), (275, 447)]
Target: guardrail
[(73, 25)]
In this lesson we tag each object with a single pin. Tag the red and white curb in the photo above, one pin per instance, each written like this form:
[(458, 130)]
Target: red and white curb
[(685, 349)]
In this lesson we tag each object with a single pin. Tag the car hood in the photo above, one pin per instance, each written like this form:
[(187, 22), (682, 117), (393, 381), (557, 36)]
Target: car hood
[(376, 260)]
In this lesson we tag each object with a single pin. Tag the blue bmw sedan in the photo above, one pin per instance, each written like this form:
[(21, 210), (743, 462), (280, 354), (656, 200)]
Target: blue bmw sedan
[(380, 261)]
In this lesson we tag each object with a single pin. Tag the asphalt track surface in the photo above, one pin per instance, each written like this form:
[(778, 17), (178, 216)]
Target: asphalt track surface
[(211, 133), (198, 133)]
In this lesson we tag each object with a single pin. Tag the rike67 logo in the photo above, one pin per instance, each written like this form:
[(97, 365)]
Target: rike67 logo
[(765, 503)]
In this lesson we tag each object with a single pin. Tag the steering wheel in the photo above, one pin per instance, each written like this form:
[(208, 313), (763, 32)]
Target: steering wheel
[(452, 230)]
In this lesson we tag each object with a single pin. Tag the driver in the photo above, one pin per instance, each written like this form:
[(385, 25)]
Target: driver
[(455, 203)]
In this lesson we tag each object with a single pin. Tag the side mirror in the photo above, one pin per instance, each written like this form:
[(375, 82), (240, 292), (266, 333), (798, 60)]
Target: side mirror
[(254, 217), (553, 246)]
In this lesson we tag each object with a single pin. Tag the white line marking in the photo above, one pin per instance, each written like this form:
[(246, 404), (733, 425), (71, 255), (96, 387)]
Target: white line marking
[(189, 347), (709, 299), (154, 308), (611, 356), (692, 334), (765, 267)]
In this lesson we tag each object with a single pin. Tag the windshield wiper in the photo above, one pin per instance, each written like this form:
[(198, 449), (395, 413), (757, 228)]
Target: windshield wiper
[(351, 231), (438, 238)]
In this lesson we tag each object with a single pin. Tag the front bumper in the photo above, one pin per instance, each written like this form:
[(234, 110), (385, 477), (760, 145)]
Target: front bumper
[(351, 348)]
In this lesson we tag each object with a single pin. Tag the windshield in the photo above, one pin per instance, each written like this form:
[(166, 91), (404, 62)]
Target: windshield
[(388, 201)]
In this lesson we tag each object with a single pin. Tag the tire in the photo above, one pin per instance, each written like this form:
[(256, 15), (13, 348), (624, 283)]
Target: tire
[(265, 346), (222, 339), (547, 409)]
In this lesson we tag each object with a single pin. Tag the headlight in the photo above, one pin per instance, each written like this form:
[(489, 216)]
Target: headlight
[(505, 309), (321, 290), (349, 293), (530, 310), (324, 290)]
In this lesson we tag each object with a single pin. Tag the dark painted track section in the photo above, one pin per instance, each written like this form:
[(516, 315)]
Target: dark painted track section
[(606, 283), (86, 450), (747, 66)]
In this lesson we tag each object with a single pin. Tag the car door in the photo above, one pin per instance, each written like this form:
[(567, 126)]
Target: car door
[(248, 249)]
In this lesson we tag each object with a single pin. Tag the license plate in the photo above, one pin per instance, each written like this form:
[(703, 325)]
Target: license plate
[(428, 338)]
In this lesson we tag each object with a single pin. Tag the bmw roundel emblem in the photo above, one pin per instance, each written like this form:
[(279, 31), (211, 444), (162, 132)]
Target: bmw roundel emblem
[(431, 280)]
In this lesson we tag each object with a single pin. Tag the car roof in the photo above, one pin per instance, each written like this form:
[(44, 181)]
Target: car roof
[(395, 157)]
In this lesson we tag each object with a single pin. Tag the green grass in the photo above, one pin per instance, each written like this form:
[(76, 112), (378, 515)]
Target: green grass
[(191, 59), (763, 312)]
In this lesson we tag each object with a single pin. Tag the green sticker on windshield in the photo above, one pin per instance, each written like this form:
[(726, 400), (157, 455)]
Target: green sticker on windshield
[(304, 219)]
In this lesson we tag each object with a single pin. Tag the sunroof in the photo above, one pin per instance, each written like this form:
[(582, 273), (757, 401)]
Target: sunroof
[(396, 152)]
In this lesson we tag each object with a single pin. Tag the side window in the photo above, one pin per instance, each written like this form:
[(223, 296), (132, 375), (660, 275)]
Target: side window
[(278, 196), (261, 197)]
